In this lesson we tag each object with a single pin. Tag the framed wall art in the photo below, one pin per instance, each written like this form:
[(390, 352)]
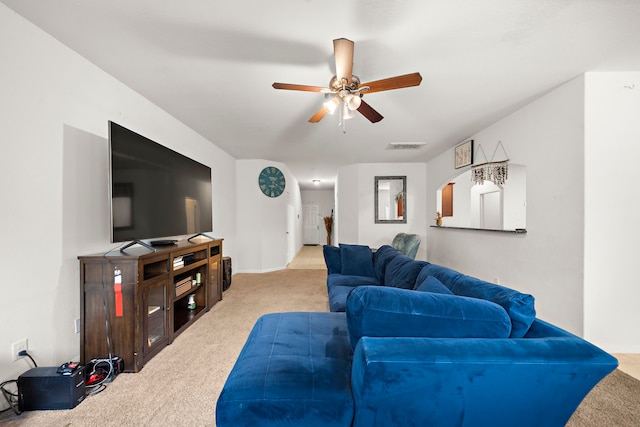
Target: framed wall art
[(464, 154)]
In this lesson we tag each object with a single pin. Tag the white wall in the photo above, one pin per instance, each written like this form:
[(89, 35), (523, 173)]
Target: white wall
[(547, 137), (355, 208), (579, 144), (612, 206), (347, 205), (262, 221), (54, 110)]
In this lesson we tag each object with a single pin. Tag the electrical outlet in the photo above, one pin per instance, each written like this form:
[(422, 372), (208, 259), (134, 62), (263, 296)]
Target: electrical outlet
[(18, 346), (76, 325)]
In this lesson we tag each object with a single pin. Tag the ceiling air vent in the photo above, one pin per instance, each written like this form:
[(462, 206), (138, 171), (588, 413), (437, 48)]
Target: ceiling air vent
[(405, 145)]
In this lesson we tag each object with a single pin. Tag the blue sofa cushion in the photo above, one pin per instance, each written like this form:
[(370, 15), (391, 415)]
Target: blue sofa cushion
[(445, 275), (380, 311), (402, 272), (332, 259), (381, 258), (353, 281), (357, 260), (520, 307), (431, 284), (338, 298), (294, 369), (339, 286)]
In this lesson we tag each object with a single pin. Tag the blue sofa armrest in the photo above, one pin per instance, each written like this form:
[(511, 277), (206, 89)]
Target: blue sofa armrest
[(496, 382)]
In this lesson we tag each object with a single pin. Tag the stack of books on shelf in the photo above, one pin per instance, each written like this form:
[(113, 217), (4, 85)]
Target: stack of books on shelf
[(178, 262)]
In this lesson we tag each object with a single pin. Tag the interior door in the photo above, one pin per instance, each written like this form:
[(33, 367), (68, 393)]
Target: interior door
[(291, 219), (491, 210), (311, 224)]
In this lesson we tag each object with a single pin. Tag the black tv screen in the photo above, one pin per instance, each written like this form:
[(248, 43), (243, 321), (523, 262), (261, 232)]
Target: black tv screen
[(155, 191)]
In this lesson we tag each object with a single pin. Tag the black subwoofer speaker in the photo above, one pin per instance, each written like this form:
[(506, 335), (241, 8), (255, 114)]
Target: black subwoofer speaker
[(45, 388), (226, 272)]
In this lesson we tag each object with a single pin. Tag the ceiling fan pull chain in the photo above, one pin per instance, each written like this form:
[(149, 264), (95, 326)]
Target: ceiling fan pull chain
[(342, 118)]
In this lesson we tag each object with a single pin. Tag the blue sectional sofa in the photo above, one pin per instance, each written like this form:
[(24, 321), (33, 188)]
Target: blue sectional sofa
[(409, 343)]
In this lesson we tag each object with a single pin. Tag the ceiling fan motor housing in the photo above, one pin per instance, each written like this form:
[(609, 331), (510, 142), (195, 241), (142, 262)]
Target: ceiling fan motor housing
[(337, 85)]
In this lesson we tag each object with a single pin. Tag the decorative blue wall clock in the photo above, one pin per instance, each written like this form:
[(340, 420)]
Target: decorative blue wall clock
[(271, 181)]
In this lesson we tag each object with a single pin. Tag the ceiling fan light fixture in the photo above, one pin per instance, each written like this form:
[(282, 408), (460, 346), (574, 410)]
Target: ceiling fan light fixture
[(353, 101), (330, 103), (347, 113)]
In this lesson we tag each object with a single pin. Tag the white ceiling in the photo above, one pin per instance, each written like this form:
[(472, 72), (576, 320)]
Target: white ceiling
[(211, 65)]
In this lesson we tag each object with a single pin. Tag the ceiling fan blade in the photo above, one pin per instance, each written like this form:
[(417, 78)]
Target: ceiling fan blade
[(343, 53), (397, 82), (368, 111), (318, 115), (324, 110), (305, 88)]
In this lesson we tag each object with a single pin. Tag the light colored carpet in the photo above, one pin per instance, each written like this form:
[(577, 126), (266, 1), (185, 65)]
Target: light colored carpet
[(309, 257), (615, 401), (180, 386)]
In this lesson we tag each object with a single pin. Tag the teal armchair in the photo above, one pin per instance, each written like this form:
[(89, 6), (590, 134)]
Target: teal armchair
[(407, 244)]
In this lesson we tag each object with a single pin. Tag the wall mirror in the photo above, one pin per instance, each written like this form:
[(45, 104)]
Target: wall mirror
[(390, 200), (488, 206)]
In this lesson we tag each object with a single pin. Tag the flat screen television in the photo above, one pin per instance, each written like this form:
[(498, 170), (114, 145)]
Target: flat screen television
[(155, 191)]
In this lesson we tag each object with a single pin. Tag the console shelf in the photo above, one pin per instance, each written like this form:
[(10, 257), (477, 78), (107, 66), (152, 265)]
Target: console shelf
[(152, 304)]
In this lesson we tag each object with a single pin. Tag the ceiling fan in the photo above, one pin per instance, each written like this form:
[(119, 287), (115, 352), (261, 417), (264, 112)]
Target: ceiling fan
[(345, 91)]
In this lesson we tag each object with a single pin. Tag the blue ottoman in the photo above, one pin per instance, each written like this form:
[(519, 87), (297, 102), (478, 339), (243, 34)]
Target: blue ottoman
[(294, 370)]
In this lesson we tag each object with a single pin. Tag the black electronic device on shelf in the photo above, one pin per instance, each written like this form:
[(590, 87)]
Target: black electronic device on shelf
[(169, 242)]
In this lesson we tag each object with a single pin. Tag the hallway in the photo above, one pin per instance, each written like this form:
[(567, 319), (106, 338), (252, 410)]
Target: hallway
[(308, 258)]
